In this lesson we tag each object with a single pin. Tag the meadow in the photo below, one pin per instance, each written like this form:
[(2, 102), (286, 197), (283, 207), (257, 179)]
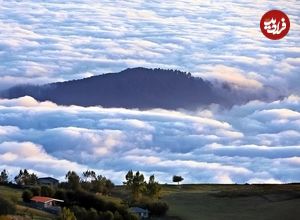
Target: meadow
[(206, 202), (233, 202)]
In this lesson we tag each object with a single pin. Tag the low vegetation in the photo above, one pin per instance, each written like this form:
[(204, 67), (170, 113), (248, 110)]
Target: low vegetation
[(88, 196), (94, 197)]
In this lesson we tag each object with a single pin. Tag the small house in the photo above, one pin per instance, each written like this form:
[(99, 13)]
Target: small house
[(141, 213), (46, 203), (48, 181)]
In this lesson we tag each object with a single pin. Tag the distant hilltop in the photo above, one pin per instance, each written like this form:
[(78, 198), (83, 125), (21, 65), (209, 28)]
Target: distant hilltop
[(131, 88)]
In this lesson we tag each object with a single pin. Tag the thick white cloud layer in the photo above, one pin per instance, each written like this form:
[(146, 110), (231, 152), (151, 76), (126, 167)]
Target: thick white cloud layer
[(45, 41), (256, 142)]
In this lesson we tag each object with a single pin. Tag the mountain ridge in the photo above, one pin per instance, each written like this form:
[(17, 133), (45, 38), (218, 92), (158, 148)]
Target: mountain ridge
[(139, 87)]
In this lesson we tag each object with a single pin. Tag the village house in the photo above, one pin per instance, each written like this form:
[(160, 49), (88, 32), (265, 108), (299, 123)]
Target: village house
[(141, 213), (46, 203)]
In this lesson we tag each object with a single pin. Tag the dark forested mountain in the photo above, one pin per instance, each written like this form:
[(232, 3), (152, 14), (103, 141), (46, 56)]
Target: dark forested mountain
[(132, 88)]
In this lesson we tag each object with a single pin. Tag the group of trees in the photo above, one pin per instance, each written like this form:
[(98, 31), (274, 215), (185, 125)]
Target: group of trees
[(88, 206), (145, 194), (90, 181), (43, 190), (25, 178), (136, 183)]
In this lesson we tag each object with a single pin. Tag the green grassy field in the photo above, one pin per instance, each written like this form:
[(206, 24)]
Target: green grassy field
[(234, 202)]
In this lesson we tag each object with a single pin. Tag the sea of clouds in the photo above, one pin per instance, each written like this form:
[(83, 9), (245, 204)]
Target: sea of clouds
[(47, 41), (256, 142)]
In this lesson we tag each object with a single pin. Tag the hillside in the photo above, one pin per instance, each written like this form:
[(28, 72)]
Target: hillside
[(23, 212), (207, 201), (233, 202), (132, 88)]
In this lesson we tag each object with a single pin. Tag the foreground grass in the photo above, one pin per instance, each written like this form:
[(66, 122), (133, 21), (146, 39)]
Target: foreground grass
[(233, 202)]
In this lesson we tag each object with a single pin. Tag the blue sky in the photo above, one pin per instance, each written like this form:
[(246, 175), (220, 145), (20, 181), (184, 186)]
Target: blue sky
[(47, 41)]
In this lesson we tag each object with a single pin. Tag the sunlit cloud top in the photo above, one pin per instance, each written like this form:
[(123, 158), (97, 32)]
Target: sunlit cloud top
[(45, 41)]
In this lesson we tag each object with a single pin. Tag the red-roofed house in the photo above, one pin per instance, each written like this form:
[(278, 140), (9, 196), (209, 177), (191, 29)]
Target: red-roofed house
[(46, 203)]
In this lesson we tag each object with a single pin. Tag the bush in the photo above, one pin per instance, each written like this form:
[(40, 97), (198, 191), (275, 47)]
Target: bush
[(92, 214), (158, 208), (79, 212), (108, 215), (47, 191), (117, 216), (67, 215), (27, 195), (60, 194), (7, 207), (36, 191)]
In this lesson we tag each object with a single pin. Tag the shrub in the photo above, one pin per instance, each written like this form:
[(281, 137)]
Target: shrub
[(117, 216), (36, 191), (79, 212), (92, 214), (46, 191), (60, 194), (27, 195), (158, 208), (108, 215), (7, 207), (67, 215)]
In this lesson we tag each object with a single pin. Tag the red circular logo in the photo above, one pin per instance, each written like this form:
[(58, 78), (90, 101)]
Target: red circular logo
[(275, 24)]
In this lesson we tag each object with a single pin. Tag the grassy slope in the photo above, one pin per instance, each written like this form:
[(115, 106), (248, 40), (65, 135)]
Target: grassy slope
[(210, 202), (234, 202), (15, 195)]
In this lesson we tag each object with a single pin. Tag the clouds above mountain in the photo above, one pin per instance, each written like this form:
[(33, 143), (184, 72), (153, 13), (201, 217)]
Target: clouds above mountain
[(256, 142), (61, 40)]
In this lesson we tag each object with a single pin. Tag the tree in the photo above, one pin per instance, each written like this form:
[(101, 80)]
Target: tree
[(177, 179), (27, 195), (73, 180), (25, 178), (4, 177), (96, 183), (89, 175), (136, 183), (102, 184), (153, 188), (66, 214)]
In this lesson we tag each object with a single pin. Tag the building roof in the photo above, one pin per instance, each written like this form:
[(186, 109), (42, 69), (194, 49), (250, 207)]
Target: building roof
[(42, 199), (48, 178), (138, 210)]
